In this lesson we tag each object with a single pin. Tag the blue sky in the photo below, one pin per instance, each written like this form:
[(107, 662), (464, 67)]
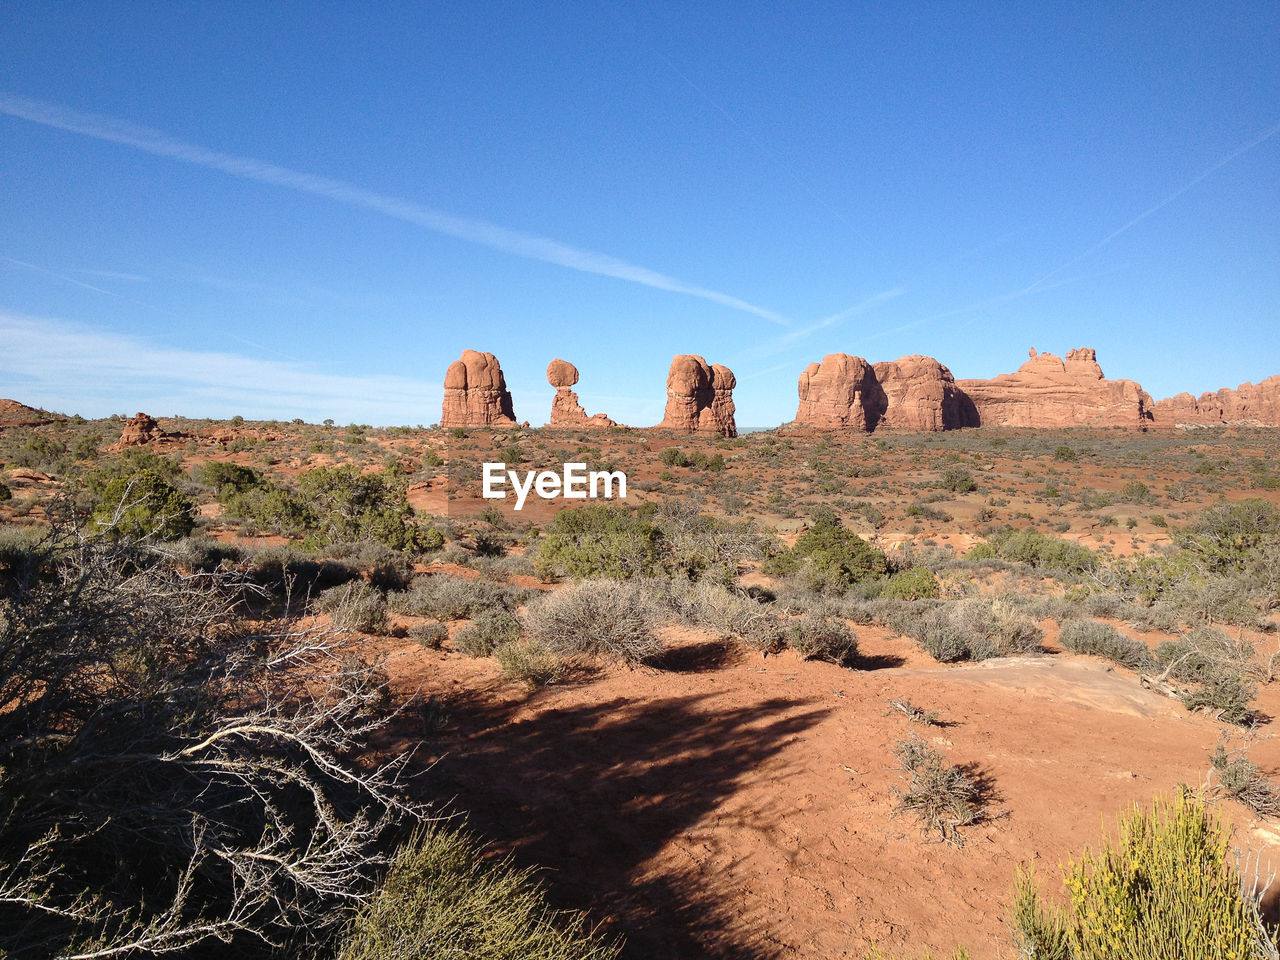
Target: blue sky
[(310, 210)]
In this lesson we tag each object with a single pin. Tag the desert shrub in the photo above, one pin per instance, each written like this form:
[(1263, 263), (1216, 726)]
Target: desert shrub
[(1239, 777), (943, 798), (1224, 535), (833, 552), (5, 492), (446, 596), (875, 953), (1217, 599), (1229, 697), (174, 779), (916, 714), (915, 584), (528, 662), (1064, 454), (144, 505), (229, 478), (355, 605), (344, 504), (385, 568), (600, 540), (1135, 491), (1103, 640), (431, 635), (976, 628), (594, 618), (289, 569), (821, 638), (1163, 888), (444, 897), (1036, 549), (710, 606), (1206, 652), (957, 480), (697, 547), (488, 630)]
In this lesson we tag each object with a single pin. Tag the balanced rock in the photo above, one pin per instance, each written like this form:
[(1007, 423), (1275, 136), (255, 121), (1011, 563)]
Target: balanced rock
[(841, 392), (475, 393), (1250, 404), (699, 397), (566, 411), (1050, 392), (139, 431), (920, 396)]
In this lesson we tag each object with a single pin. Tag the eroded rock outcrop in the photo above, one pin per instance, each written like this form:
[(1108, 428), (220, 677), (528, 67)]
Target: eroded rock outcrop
[(840, 392), (920, 396), (140, 431), (1050, 392), (1250, 404), (699, 397), (566, 411), (475, 393)]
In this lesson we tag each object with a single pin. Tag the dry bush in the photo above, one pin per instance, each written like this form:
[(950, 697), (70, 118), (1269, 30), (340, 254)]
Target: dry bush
[(171, 778), (528, 661), (1103, 640), (488, 630), (444, 596), (976, 628), (1240, 777), (596, 617), (356, 605), (943, 798)]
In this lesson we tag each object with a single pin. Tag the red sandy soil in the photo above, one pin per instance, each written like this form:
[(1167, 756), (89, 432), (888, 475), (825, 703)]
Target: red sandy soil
[(731, 805)]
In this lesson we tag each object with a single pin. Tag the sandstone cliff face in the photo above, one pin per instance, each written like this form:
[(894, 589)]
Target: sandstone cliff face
[(912, 393), (1249, 404), (566, 411), (139, 431), (1051, 392), (921, 396), (841, 392), (699, 397), (475, 393)]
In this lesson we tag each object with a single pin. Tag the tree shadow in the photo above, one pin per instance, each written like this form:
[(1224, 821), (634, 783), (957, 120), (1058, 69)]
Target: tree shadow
[(592, 792)]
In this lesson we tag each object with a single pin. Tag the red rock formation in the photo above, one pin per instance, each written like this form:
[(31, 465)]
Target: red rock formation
[(920, 396), (565, 409), (1049, 391), (475, 393), (699, 397), (15, 414), (1249, 404), (841, 392), (141, 430)]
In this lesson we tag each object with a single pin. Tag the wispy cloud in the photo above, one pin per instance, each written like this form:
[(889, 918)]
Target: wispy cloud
[(479, 232), (782, 342), (76, 368)]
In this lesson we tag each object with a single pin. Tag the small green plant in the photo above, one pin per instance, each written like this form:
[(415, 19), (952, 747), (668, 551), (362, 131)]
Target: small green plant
[(832, 551), (958, 480), (917, 583), (1064, 454), (5, 492), (1163, 888)]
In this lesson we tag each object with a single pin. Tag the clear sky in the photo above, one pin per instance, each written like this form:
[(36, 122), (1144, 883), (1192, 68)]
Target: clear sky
[(281, 210)]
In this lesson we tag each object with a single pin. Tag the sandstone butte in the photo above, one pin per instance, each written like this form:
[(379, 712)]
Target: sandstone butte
[(566, 411), (915, 393), (1050, 391), (1250, 404), (475, 393), (15, 414), (699, 397)]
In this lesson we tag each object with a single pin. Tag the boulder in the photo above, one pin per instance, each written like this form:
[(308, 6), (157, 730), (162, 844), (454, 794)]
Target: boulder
[(475, 393), (699, 397), (1249, 404), (140, 431), (566, 411), (1051, 392)]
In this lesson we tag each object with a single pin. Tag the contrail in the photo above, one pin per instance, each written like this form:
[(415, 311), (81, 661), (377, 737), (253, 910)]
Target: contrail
[(473, 231), (1213, 168)]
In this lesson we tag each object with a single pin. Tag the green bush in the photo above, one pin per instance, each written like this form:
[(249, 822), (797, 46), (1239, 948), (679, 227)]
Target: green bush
[(5, 492), (144, 505), (528, 662), (1036, 549), (832, 551), (1164, 888), (1226, 533), (431, 635), (444, 897), (1064, 454), (918, 583), (976, 628), (1103, 640), (346, 505), (596, 617), (821, 638), (487, 631), (957, 480), (600, 540)]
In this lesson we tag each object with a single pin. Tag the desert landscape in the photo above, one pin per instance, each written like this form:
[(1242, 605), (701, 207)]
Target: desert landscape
[(813, 691)]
